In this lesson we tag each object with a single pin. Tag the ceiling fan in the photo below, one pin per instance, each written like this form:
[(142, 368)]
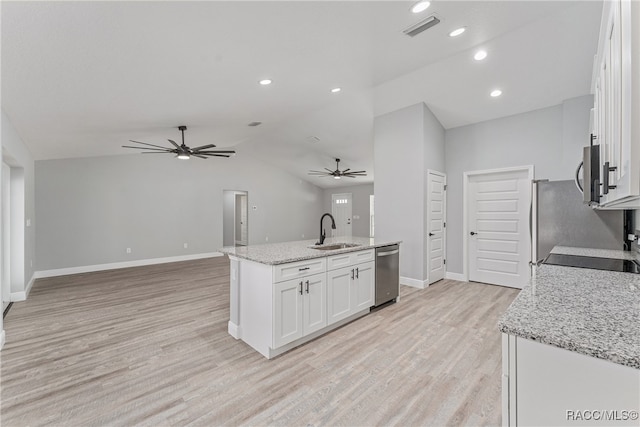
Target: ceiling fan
[(182, 151), (337, 174)]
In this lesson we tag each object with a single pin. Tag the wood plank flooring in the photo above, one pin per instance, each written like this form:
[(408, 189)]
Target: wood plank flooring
[(149, 346)]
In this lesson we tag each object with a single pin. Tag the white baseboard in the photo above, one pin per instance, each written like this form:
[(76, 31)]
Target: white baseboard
[(455, 276), (414, 283), (125, 264), (30, 284), (17, 296), (1, 339)]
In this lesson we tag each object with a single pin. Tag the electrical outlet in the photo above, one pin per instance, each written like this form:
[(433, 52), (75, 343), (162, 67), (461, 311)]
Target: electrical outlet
[(186, 245), (266, 239), (128, 250), (28, 222)]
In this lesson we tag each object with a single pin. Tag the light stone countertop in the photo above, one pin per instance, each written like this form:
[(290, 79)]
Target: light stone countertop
[(596, 253), (281, 253), (592, 312)]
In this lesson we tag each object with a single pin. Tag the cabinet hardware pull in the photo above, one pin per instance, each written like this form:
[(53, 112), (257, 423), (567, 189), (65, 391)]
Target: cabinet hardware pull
[(352, 274), (606, 169), (303, 269), (473, 233), (300, 288), (307, 282), (357, 273)]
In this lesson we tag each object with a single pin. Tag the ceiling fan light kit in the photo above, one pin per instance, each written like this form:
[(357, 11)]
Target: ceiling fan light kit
[(337, 174), (182, 152)]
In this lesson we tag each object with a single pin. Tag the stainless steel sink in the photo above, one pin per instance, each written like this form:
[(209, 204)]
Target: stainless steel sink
[(335, 246)]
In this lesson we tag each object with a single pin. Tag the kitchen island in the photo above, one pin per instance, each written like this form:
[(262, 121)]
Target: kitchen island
[(571, 346), (285, 294)]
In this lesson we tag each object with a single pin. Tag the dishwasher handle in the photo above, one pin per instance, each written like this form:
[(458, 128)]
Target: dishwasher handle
[(388, 253)]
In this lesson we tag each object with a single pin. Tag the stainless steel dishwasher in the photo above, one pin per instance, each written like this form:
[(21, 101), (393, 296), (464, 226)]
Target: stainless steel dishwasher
[(387, 273)]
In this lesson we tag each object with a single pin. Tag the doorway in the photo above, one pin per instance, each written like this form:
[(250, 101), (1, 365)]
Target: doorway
[(497, 235), (341, 209), (436, 231), (235, 218), (5, 235)]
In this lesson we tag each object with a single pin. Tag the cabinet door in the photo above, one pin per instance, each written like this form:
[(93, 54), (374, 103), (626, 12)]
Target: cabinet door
[(364, 286), (287, 312), (339, 294), (314, 312)]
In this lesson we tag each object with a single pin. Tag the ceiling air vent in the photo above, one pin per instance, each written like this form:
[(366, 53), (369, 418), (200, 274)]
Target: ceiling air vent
[(425, 24)]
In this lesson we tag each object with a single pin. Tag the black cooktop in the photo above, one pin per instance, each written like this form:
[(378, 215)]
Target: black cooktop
[(622, 265)]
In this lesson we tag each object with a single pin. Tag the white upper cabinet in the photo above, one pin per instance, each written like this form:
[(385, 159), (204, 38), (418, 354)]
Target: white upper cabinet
[(616, 79)]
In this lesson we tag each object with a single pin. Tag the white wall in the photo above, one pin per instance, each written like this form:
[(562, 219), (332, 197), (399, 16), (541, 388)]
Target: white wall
[(551, 139), (360, 206), (91, 209), (406, 143), (17, 155)]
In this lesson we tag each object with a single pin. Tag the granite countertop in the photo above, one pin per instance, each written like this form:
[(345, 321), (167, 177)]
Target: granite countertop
[(596, 253), (281, 253), (592, 312)]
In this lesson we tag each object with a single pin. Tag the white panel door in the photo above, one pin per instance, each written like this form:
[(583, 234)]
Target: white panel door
[(314, 310), (499, 243), (243, 220), (436, 215), (287, 311), (339, 295), (341, 207)]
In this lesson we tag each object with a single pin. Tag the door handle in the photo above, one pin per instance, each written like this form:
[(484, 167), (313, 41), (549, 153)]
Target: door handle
[(352, 274), (357, 273), (307, 283), (300, 288), (473, 233), (431, 234)]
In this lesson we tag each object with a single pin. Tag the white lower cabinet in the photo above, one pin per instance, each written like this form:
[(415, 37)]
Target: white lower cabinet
[(275, 308), (299, 308), (350, 290), (543, 385)]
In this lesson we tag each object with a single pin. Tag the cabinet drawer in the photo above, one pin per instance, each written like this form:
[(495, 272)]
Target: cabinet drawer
[(294, 270), (350, 258)]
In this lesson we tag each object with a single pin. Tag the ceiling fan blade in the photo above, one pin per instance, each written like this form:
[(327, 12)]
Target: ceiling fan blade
[(202, 147), (346, 170), (213, 155), (155, 152), (330, 171), (146, 148), (358, 172), (214, 152), (174, 143), (144, 143), (199, 156)]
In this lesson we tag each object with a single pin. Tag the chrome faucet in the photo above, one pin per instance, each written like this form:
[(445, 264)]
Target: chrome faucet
[(323, 233)]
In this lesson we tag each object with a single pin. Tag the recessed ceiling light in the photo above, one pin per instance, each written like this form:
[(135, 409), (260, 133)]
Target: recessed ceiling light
[(457, 32), (496, 93), (335, 90), (265, 82), (480, 55), (420, 6)]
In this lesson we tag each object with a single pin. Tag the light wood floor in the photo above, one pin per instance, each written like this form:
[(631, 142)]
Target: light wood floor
[(149, 346)]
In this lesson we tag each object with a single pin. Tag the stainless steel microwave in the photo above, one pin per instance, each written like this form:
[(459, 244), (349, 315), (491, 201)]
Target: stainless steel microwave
[(590, 164)]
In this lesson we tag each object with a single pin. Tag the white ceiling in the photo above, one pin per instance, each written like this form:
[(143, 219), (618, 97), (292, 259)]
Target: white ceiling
[(82, 78)]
